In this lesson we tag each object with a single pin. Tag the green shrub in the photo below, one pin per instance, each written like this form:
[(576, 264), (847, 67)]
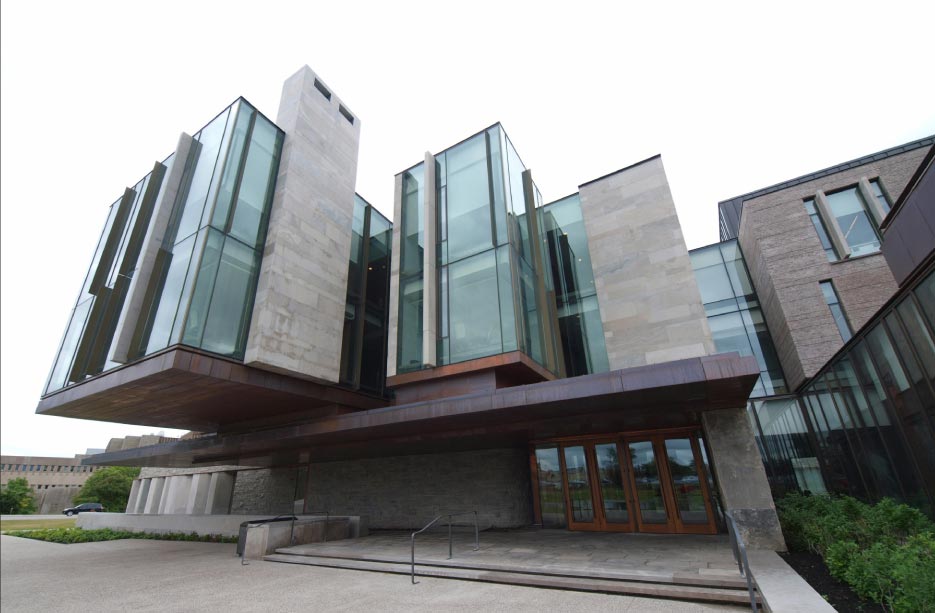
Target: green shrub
[(885, 551), (70, 536)]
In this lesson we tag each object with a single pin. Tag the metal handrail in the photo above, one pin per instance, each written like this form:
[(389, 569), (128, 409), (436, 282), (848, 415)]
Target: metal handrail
[(740, 556), (324, 530), (412, 558)]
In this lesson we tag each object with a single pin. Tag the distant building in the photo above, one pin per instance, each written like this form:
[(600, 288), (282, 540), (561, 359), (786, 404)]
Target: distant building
[(56, 481)]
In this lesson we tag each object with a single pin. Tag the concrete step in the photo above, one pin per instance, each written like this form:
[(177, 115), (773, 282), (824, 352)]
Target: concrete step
[(553, 580), (710, 578)]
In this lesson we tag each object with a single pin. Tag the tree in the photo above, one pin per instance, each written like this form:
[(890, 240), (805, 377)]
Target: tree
[(109, 486), (17, 498)]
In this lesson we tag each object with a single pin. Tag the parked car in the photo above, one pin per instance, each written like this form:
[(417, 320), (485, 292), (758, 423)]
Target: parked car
[(84, 507)]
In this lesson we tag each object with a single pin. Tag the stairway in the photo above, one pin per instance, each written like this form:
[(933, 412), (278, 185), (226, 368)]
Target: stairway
[(699, 588)]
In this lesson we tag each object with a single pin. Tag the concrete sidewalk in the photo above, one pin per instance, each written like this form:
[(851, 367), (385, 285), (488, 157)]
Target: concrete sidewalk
[(140, 575)]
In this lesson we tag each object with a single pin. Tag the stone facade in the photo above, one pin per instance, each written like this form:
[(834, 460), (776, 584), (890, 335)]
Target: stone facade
[(405, 492), (649, 301), (265, 491), (298, 315), (786, 261)]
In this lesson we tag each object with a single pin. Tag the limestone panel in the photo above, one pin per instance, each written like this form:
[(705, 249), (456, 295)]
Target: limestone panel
[(392, 328), (405, 492), (787, 278), (649, 301), (298, 316)]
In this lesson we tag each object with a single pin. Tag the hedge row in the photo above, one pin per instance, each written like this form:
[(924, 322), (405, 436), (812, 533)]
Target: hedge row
[(78, 535), (885, 551)]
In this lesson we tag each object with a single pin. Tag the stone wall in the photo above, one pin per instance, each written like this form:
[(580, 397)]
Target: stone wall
[(405, 492), (265, 491), (649, 301), (786, 263)]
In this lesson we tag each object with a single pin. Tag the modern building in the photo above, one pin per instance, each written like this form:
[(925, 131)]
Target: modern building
[(557, 364), (839, 270)]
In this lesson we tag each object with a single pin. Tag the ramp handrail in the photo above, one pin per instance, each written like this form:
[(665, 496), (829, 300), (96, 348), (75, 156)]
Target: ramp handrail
[(412, 558), (740, 556)]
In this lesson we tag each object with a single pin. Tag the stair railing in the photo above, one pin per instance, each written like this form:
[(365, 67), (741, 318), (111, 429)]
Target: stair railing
[(740, 556), (412, 557)]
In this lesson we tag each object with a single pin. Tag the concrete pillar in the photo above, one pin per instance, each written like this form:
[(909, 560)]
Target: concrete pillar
[(168, 494), (134, 496), (429, 277), (308, 244), (218, 497), (154, 500), (392, 327), (178, 495), (126, 334), (741, 478), (144, 494), (198, 494)]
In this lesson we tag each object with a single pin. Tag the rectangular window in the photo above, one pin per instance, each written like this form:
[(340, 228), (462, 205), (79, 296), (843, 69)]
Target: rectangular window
[(880, 195), (837, 310), (854, 220)]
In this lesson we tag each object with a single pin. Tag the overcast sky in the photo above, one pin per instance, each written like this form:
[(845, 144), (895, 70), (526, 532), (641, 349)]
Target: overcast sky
[(734, 96)]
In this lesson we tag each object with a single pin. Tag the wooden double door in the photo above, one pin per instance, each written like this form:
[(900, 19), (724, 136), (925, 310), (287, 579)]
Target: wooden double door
[(635, 483)]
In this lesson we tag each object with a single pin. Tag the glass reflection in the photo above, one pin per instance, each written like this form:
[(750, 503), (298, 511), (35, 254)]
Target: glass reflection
[(648, 487), (689, 495), (611, 481), (579, 485), (551, 491)]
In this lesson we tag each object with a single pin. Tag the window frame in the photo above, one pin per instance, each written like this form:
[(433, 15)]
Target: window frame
[(828, 222)]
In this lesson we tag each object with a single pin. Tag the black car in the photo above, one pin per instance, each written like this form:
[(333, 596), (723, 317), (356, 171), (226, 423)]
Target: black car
[(85, 507)]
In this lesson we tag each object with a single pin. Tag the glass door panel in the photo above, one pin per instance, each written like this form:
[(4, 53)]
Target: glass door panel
[(647, 485), (579, 485), (551, 492), (610, 477), (686, 484)]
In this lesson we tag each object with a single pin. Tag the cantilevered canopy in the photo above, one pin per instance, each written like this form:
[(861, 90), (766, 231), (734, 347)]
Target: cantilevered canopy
[(669, 394), (184, 388)]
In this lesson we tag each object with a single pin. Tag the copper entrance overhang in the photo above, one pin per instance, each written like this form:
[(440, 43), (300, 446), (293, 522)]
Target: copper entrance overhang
[(184, 388), (673, 393)]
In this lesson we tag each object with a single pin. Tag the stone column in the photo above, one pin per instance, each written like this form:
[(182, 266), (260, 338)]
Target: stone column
[(154, 500), (429, 277), (298, 316), (128, 328), (134, 496), (198, 494), (144, 495), (218, 497), (392, 327), (741, 478)]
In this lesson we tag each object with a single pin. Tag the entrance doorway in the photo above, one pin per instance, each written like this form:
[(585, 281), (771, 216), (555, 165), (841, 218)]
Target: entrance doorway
[(628, 482)]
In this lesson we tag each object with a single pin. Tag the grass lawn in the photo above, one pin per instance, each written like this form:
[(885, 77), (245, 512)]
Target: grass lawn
[(35, 524)]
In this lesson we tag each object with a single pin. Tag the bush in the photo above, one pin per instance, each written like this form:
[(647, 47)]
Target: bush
[(70, 536), (109, 486), (885, 552), (17, 498)]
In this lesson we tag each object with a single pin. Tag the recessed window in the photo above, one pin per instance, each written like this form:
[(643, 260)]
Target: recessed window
[(324, 90), (847, 220), (837, 310), (346, 113)]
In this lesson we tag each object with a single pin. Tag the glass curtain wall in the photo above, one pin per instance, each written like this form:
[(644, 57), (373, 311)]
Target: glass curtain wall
[(487, 268), (870, 411), (734, 313), (569, 262), (363, 354), (90, 332), (209, 262)]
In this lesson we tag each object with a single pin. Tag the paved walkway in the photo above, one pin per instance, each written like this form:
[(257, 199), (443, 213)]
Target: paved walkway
[(663, 557), (138, 575)]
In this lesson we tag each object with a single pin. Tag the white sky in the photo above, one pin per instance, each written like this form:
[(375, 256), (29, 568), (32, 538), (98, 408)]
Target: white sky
[(735, 96)]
